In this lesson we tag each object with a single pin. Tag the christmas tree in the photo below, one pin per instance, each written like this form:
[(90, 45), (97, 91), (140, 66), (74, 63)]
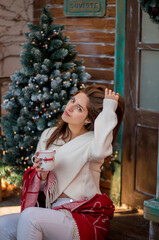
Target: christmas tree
[(38, 93)]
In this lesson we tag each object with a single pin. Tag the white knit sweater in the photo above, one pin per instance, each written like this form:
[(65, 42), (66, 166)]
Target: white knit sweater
[(78, 162)]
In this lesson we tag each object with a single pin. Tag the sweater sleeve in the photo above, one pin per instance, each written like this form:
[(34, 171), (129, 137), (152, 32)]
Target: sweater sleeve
[(103, 130)]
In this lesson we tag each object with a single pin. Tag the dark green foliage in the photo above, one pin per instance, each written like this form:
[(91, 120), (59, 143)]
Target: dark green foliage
[(38, 93), (152, 8)]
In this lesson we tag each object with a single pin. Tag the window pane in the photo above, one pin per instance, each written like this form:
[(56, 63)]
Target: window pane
[(149, 80), (150, 30)]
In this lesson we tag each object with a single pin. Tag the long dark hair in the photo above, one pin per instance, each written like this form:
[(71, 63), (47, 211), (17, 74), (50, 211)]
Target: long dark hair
[(95, 94)]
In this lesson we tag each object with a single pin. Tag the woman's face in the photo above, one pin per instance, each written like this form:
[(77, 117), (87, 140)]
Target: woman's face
[(76, 110)]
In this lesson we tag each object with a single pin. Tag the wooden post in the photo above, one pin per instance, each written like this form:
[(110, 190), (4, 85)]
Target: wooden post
[(115, 192)]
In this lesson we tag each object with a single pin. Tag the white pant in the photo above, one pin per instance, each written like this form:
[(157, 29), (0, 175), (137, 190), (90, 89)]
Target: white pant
[(36, 224)]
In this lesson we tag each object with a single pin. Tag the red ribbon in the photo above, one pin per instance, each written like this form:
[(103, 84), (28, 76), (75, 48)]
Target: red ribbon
[(48, 159)]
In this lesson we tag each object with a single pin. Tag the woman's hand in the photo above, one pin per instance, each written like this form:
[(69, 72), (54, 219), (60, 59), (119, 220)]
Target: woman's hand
[(111, 94), (37, 164)]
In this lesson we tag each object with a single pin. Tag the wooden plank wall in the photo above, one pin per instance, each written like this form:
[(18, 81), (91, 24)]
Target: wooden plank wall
[(94, 38)]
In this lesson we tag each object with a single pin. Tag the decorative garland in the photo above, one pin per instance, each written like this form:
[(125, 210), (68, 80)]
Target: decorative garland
[(152, 8)]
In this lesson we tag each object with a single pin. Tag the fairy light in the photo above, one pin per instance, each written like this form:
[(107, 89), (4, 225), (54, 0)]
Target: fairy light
[(55, 111), (15, 133), (21, 148), (37, 86)]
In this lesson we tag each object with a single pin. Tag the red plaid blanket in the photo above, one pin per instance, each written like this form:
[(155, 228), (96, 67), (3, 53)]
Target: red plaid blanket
[(92, 216)]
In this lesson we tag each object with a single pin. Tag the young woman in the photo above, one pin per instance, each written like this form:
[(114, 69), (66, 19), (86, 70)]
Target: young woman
[(73, 206)]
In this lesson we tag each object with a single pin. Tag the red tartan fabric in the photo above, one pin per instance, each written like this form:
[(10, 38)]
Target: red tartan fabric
[(91, 216), (29, 196)]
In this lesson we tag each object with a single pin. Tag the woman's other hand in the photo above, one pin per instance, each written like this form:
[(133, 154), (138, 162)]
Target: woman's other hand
[(37, 164), (111, 94)]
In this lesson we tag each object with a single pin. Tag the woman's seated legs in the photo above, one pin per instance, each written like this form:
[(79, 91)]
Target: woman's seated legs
[(8, 226), (41, 223)]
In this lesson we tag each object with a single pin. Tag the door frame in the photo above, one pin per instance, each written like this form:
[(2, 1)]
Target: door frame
[(115, 191)]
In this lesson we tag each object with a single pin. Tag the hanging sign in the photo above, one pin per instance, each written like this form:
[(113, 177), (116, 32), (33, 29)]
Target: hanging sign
[(84, 8)]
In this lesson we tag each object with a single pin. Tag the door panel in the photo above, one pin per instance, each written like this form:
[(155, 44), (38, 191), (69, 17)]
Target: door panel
[(145, 160), (140, 128), (149, 80)]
